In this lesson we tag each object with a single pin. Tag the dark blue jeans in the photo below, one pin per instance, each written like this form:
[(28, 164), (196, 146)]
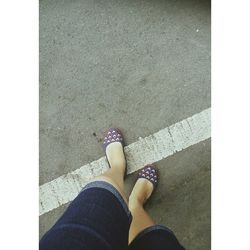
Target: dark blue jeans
[(99, 219)]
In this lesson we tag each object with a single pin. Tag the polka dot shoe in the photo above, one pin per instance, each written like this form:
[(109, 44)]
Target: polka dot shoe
[(150, 173), (111, 136)]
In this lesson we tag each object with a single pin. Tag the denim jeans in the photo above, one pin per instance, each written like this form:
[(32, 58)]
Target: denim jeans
[(99, 219)]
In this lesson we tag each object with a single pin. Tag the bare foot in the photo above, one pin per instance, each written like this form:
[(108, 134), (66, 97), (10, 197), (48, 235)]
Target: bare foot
[(141, 192), (115, 156)]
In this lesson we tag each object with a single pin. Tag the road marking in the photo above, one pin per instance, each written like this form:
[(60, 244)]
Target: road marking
[(146, 150)]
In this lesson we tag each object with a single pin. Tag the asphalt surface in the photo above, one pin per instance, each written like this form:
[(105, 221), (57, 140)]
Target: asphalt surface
[(137, 65)]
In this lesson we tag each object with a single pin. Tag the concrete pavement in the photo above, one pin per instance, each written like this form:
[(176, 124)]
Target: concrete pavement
[(137, 65)]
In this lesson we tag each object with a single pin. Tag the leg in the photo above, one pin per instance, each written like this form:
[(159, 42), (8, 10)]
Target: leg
[(141, 219), (117, 162), (98, 218), (143, 232)]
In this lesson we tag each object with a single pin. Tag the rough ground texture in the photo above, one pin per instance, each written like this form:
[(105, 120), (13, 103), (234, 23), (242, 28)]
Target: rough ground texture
[(138, 65)]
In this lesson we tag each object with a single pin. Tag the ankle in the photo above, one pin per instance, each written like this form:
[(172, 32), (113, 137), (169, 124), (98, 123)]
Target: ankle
[(118, 164), (135, 202)]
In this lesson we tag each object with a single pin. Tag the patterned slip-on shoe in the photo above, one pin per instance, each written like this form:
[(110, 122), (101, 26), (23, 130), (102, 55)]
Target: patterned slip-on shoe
[(150, 173), (114, 135)]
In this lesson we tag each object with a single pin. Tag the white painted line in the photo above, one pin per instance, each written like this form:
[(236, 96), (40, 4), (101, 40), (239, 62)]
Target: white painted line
[(146, 150)]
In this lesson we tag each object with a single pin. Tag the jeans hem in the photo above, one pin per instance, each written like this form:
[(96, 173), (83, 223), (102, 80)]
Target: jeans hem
[(113, 190), (153, 228)]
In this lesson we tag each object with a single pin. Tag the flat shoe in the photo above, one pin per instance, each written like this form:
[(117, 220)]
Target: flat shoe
[(111, 136)]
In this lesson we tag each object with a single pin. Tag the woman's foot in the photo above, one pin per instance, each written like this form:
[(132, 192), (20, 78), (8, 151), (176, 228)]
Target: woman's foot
[(113, 144), (144, 186), (115, 156), (141, 192)]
